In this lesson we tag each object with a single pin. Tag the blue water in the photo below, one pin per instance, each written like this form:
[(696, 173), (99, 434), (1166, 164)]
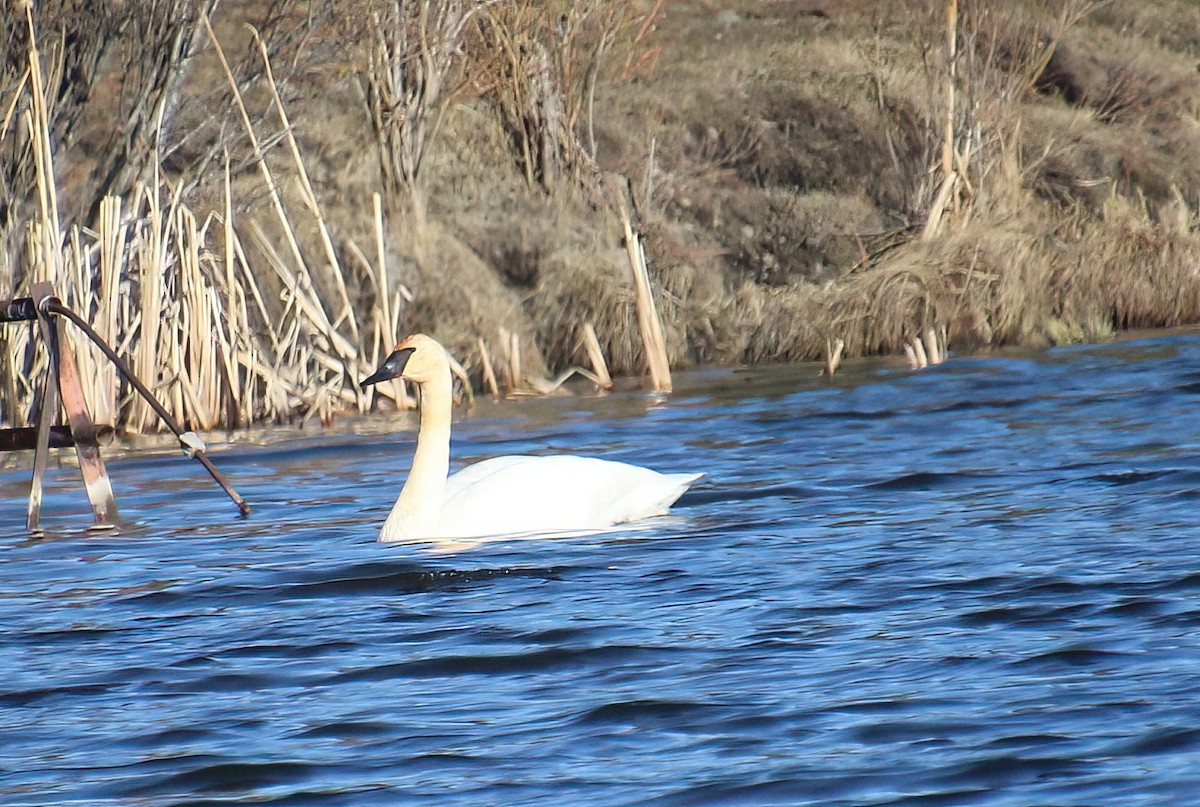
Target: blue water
[(975, 584)]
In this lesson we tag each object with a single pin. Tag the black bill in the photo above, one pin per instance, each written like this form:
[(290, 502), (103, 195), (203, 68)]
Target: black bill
[(391, 368)]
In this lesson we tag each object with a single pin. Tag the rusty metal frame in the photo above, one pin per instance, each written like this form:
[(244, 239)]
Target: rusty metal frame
[(61, 386)]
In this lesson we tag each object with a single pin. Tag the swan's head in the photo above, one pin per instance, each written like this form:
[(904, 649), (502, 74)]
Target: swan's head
[(418, 358)]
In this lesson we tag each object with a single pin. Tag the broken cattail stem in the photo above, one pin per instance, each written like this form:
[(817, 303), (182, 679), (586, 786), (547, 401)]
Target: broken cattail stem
[(308, 195), (514, 362), (833, 355), (461, 374), (651, 327), (599, 366), (489, 374), (919, 350), (931, 347), (545, 386), (951, 77)]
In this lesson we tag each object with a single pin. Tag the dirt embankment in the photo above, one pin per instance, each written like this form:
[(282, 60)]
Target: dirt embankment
[(785, 157), (800, 171)]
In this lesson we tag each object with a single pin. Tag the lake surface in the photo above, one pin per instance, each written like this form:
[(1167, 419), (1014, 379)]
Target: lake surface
[(974, 584)]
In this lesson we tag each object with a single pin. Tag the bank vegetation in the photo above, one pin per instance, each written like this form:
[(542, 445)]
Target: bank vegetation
[(252, 201)]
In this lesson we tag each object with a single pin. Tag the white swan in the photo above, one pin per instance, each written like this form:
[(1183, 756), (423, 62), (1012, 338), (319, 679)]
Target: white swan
[(505, 495)]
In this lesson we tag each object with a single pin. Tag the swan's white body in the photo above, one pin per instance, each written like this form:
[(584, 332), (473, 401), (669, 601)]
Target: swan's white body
[(506, 495), (521, 494)]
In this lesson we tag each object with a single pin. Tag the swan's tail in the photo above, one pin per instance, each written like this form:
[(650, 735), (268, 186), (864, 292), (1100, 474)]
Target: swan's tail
[(653, 499), (683, 482)]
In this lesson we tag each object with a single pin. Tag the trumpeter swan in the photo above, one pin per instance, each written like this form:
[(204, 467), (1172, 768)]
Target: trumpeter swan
[(505, 495)]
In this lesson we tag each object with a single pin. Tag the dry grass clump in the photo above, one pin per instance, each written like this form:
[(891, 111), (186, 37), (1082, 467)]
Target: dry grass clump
[(1037, 281), (809, 170), (1170, 24), (1121, 77), (587, 281), (985, 285), (465, 302), (778, 324), (1133, 271), (779, 236), (587, 284)]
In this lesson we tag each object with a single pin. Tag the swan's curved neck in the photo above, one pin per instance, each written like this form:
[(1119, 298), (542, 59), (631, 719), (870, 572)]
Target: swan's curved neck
[(420, 502)]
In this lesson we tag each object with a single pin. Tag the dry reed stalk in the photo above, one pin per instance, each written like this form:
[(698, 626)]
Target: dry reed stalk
[(919, 350), (307, 194), (932, 348), (37, 122), (268, 178), (650, 325), (390, 309), (591, 344), (950, 173), (235, 298), (511, 343), (17, 95), (951, 80), (300, 290), (381, 278), (277, 388), (378, 329), (380, 338), (112, 236), (316, 407), (299, 283), (187, 393), (196, 336), (489, 375), (940, 204), (151, 267), (833, 356), (227, 376), (912, 356), (249, 281)]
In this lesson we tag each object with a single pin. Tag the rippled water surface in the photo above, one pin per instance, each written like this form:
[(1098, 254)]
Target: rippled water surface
[(977, 584)]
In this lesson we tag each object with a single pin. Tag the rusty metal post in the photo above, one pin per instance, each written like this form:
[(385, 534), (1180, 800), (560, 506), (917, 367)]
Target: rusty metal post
[(47, 406), (83, 430)]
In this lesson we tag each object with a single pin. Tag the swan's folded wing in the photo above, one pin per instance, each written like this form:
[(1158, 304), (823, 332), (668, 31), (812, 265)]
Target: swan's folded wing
[(523, 494)]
